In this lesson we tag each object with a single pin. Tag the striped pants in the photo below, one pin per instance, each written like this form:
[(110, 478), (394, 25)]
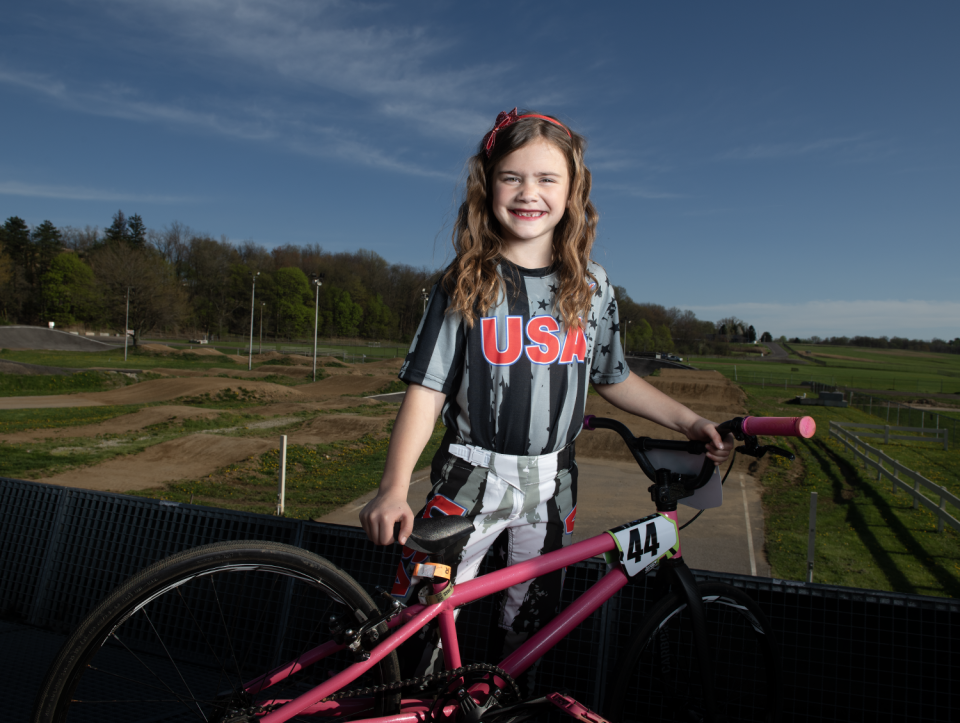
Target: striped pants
[(522, 506)]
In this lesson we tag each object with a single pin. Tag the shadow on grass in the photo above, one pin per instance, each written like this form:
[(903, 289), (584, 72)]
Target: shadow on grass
[(850, 478)]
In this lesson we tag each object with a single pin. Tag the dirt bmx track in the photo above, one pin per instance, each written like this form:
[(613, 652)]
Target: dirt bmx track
[(196, 455)]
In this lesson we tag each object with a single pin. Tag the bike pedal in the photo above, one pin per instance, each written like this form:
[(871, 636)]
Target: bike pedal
[(574, 709)]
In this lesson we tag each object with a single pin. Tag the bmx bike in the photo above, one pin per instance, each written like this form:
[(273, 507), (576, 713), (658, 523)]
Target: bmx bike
[(245, 631)]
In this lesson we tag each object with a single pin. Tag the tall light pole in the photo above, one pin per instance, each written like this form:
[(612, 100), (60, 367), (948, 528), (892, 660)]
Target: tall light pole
[(260, 345), (317, 282), (424, 294), (126, 325), (626, 331), (253, 294)]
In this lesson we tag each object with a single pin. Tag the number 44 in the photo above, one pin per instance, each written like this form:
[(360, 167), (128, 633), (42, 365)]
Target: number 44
[(650, 545)]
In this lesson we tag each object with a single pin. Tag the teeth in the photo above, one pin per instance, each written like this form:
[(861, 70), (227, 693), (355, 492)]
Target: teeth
[(529, 214)]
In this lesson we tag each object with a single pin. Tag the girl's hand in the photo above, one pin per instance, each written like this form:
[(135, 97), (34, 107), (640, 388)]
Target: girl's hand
[(706, 431), (381, 515)]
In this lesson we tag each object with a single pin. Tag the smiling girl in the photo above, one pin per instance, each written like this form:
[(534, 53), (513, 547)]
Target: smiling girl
[(521, 322)]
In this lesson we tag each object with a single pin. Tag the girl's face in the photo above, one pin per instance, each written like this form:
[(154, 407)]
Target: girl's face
[(531, 190)]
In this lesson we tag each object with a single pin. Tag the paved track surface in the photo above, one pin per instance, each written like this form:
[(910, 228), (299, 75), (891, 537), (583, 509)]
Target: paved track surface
[(36, 337), (725, 539)]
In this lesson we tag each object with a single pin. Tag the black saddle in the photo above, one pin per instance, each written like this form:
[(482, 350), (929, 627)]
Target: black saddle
[(433, 535)]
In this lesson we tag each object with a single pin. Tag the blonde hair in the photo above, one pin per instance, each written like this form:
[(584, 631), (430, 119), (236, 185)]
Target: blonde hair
[(471, 281)]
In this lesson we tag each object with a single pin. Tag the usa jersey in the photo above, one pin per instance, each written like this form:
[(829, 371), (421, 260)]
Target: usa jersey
[(516, 383)]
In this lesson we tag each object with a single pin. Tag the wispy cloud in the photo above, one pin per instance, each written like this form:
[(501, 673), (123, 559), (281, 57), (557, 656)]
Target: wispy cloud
[(644, 192), (915, 319), (79, 193), (345, 48), (247, 122), (774, 151), (318, 78)]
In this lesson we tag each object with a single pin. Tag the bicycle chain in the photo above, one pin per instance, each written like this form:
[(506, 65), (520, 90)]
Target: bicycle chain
[(427, 679), (410, 682)]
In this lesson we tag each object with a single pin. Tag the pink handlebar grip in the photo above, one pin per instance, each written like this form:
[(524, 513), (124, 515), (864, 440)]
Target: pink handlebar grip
[(780, 426), (588, 421)]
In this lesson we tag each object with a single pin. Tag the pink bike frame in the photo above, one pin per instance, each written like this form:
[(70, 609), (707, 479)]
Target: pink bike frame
[(416, 616)]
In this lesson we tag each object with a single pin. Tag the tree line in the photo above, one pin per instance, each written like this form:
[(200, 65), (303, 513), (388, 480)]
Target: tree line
[(179, 281), (886, 342)]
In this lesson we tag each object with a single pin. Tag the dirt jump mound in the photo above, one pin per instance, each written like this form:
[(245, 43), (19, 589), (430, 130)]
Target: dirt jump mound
[(709, 394)]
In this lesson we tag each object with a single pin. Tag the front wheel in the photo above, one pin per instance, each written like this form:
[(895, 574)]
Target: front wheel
[(658, 675), (187, 638)]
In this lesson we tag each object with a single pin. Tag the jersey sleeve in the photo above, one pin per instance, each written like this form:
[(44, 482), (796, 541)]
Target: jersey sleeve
[(436, 356), (607, 365)]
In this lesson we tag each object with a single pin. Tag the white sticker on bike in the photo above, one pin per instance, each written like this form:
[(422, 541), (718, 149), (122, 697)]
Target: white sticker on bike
[(643, 542)]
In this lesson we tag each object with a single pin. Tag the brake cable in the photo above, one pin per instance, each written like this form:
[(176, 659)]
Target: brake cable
[(733, 457)]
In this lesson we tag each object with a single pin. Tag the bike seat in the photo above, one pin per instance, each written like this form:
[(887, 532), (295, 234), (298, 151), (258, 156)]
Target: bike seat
[(434, 534)]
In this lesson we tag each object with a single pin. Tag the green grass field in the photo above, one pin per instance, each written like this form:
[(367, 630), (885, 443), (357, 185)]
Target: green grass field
[(36, 458), (862, 369), (113, 359), (21, 385), (21, 420), (374, 351), (867, 536), (320, 478)]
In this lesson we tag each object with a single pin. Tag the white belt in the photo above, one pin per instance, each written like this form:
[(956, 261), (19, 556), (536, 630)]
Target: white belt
[(477, 456)]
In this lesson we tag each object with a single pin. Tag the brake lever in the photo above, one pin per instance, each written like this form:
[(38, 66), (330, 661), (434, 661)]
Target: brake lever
[(779, 452), (757, 450)]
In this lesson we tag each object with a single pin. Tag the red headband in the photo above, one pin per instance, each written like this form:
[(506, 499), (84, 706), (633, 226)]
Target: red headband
[(505, 119)]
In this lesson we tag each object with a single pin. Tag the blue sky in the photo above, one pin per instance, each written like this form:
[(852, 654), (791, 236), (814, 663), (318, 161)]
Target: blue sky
[(795, 165)]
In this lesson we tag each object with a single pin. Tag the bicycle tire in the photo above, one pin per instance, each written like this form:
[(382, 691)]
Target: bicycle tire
[(176, 641), (658, 675)]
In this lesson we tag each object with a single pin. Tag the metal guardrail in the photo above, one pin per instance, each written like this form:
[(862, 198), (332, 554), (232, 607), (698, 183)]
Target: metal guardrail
[(852, 442), (940, 436)]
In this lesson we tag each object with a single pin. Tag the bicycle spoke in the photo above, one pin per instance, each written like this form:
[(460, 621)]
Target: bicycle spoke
[(162, 682), (220, 665), (173, 663), (112, 674), (223, 620)]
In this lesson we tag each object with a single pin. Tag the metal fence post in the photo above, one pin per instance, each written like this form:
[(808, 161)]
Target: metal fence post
[(943, 506), (282, 482), (813, 533), (886, 434)]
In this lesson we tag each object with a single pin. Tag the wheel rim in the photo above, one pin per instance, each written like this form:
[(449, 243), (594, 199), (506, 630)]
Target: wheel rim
[(184, 652), (665, 684)]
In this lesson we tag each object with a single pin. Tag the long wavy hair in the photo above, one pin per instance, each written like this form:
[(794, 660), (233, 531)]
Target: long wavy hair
[(471, 281)]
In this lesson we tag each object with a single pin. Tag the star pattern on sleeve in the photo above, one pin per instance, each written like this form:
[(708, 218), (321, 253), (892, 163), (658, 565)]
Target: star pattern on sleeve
[(611, 307), (592, 321), (554, 288), (614, 328), (605, 349), (619, 367), (598, 292)]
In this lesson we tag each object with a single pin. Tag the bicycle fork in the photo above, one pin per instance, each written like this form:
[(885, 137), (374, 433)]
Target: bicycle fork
[(673, 572)]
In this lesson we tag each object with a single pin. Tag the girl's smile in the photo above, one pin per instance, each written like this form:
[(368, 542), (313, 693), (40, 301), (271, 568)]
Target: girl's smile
[(531, 188)]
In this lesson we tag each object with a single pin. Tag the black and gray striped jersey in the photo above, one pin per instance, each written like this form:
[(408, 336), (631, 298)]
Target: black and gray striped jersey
[(516, 383)]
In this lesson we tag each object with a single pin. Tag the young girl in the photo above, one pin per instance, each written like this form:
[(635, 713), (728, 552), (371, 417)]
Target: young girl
[(521, 322)]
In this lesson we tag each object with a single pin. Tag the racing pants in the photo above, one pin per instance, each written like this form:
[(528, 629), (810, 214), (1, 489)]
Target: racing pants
[(522, 506)]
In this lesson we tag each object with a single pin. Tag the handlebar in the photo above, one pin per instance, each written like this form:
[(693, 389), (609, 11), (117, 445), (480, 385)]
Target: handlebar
[(804, 427), (739, 427)]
